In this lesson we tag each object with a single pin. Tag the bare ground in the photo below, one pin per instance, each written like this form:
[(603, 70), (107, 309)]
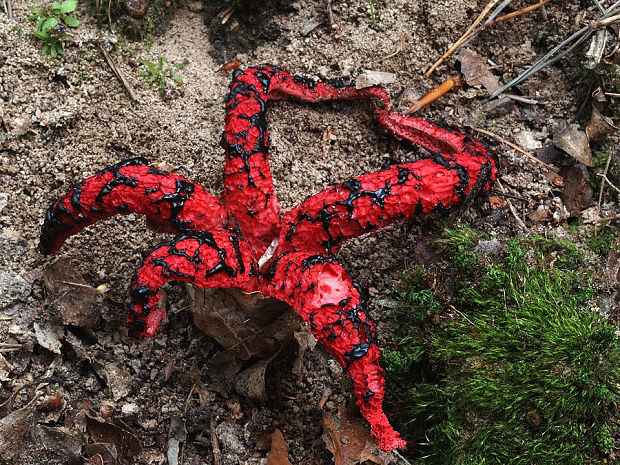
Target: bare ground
[(79, 120)]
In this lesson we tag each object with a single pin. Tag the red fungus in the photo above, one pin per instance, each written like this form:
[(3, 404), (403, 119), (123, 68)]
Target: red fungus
[(225, 245)]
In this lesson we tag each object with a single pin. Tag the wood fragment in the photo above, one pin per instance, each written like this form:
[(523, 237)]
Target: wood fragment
[(326, 393), (517, 148), (399, 48), (118, 74), (333, 24), (463, 38), (215, 445), (520, 222), (227, 14), (474, 29), (434, 94)]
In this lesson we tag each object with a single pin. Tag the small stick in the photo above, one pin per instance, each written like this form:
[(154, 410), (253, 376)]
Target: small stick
[(227, 14), (9, 9), (604, 22), (399, 48), (600, 194), (511, 207), (326, 393), (517, 148), (463, 38), (9, 345), (116, 71), (217, 454), (434, 94), (514, 14), (332, 20)]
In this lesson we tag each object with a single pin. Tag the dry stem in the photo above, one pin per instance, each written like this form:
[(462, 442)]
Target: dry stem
[(517, 148)]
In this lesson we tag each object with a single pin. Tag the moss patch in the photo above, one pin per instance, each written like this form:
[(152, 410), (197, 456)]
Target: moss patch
[(506, 361)]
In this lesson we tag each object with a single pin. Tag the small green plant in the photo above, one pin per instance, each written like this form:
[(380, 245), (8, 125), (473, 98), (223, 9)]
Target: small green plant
[(50, 27), (509, 363), (158, 73)]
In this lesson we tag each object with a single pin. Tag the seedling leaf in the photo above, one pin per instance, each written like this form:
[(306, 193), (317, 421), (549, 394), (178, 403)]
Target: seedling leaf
[(71, 21), (68, 6)]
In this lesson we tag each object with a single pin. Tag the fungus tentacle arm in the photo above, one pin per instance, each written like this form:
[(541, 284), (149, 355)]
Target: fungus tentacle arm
[(333, 305), (366, 203), (171, 202), (248, 184), (207, 259)]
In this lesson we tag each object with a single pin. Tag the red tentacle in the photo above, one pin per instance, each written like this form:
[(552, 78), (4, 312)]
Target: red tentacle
[(170, 201), (335, 310), (247, 177), (207, 260), (325, 220)]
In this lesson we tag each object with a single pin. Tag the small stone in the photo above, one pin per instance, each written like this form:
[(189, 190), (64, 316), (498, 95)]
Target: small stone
[(129, 409)]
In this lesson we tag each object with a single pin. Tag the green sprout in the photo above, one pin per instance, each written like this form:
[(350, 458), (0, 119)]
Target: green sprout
[(157, 73), (50, 27)]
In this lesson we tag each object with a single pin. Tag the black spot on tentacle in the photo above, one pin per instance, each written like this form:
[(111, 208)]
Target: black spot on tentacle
[(54, 223), (367, 395), (358, 351), (449, 164), (315, 260)]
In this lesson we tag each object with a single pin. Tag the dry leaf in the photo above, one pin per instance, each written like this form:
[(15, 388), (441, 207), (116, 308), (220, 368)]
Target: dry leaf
[(251, 381), (235, 409), (176, 435), (305, 340), (575, 142), (71, 296), (238, 321), (476, 72), (369, 78), (278, 454), (116, 435), (230, 66), (599, 126), (577, 193), (350, 443)]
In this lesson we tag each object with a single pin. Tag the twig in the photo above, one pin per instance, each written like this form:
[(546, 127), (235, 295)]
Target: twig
[(600, 194), (514, 14), (10, 345), (110, 14), (608, 181), (9, 9), (326, 393), (333, 24), (397, 454), (399, 48), (118, 74), (227, 13), (517, 148), (463, 38), (215, 445), (434, 94), (559, 51), (511, 207)]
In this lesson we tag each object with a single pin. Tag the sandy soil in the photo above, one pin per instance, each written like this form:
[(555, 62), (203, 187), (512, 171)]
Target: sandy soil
[(79, 119)]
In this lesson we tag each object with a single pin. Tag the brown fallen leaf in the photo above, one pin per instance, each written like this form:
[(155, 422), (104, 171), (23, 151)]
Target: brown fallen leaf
[(117, 437), (230, 66), (350, 443), (575, 142), (476, 72), (577, 193), (71, 296), (278, 454)]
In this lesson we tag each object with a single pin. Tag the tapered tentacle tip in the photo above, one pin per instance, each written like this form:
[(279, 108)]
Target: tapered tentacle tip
[(387, 437), (144, 325)]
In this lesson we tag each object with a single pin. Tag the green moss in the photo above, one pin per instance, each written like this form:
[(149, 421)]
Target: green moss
[(601, 240), (509, 365)]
